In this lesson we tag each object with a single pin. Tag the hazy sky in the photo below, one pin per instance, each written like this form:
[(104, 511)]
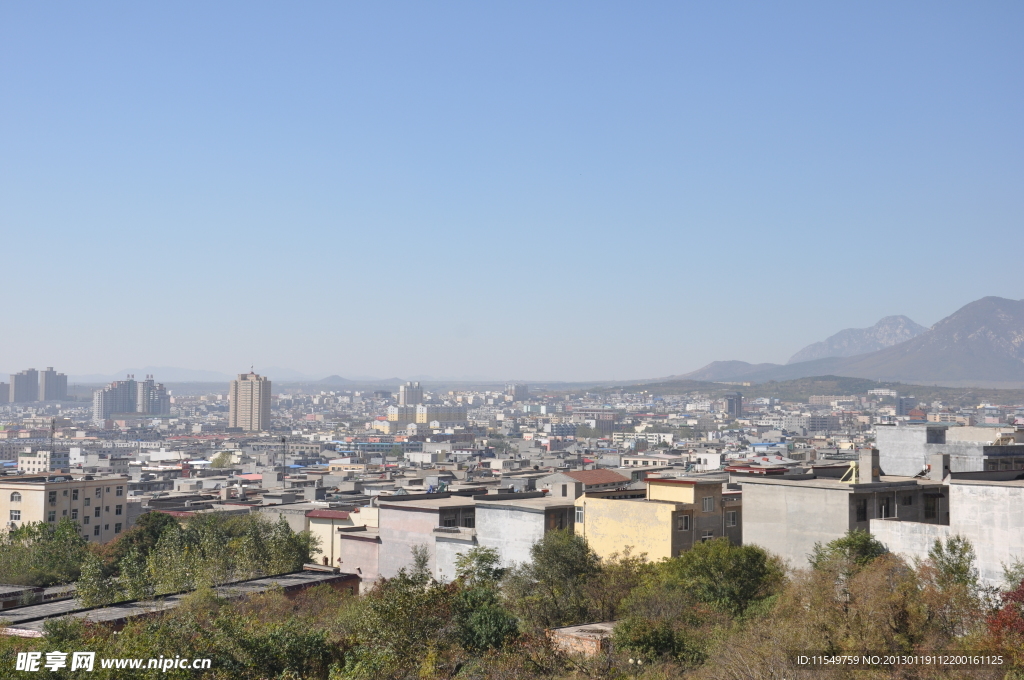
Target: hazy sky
[(512, 190)]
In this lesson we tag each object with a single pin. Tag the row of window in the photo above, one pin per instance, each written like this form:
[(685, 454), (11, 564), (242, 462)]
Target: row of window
[(52, 495), (51, 516), (682, 521)]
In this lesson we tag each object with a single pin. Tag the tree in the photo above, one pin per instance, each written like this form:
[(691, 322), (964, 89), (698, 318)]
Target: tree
[(42, 554), (221, 460), (550, 591), (954, 562), (726, 577), (857, 547)]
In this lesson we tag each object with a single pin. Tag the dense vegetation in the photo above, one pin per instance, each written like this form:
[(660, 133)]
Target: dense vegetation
[(715, 612)]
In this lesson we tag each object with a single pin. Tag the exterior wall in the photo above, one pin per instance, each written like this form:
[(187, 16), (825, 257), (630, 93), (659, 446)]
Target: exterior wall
[(400, 531), (912, 540), (509, 530), (789, 520), (327, 531), (360, 555), (35, 505), (611, 525), (991, 515), (447, 549), (675, 493)]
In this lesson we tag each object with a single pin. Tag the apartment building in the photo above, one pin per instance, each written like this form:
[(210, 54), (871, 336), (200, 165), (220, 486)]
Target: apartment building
[(42, 462), (675, 515), (99, 505), (250, 403)]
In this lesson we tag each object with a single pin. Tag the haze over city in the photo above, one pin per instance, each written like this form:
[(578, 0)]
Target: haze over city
[(570, 192)]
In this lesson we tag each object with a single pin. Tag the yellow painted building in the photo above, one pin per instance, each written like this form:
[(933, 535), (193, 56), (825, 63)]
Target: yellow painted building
[(676, 514), (326, 524)]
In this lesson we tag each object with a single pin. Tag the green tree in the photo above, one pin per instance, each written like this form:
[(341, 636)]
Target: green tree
[(94, 587), (42, 554), (727, 577), (550, 591), (857, 547), (954, 562), (221, 460)]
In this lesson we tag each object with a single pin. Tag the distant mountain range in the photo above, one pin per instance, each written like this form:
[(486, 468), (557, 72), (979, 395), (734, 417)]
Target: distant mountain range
[(892, 330), (981, 344)]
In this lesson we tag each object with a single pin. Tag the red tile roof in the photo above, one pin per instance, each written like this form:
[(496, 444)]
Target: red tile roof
[(327, 514), (593, 477)]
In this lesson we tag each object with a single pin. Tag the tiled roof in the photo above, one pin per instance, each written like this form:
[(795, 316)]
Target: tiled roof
[(327, 514), (593, 477)]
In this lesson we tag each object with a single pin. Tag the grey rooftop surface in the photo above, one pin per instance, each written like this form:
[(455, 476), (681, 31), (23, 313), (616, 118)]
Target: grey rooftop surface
[(29, 621)]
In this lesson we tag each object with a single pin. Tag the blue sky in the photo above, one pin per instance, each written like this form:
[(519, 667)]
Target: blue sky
[(511, 190)]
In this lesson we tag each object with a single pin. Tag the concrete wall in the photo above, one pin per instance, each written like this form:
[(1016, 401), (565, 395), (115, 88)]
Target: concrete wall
[(511, 531), (447, 549), (400, 530), (912, 540), (360, 555), (610, 525), (789, 520), (989, 514)]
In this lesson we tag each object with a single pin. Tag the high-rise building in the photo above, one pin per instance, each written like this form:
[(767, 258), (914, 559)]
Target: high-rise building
[(130, 397), (151, 398), (5, 392), (120, 396), (517, 391), (52, 385), (250, 402), (25, 386), (410, 394), (734, 404)]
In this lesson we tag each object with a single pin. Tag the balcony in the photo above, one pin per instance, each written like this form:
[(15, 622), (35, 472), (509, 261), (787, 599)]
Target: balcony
[(456, 532)]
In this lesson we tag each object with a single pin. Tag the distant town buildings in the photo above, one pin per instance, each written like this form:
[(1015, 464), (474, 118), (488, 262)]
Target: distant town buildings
[(31, 385), (518, 391), (249, 398), (129, 397), (410, 394)]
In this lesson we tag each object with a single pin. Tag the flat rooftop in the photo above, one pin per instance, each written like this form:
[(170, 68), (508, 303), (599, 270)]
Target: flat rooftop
[(29, 621)]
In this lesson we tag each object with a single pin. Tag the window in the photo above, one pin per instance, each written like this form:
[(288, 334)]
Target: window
[(108, 490), (730, 518), (117, 528), (74, 494), (87, 500), (51, 516), (15, 515), (117, 511), (65, 493), (931, 507), (96, 530), (85, 519), (15, 497), (97, 512), (883, 509), (74, 514), (106, 527), (106, 508), (119, 491), (709, 504), (862, 510), (99, 491), (908, 500), (565, 490), (579, 514), (448, 522), (683, 523), (52, 497), (707, 536)]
